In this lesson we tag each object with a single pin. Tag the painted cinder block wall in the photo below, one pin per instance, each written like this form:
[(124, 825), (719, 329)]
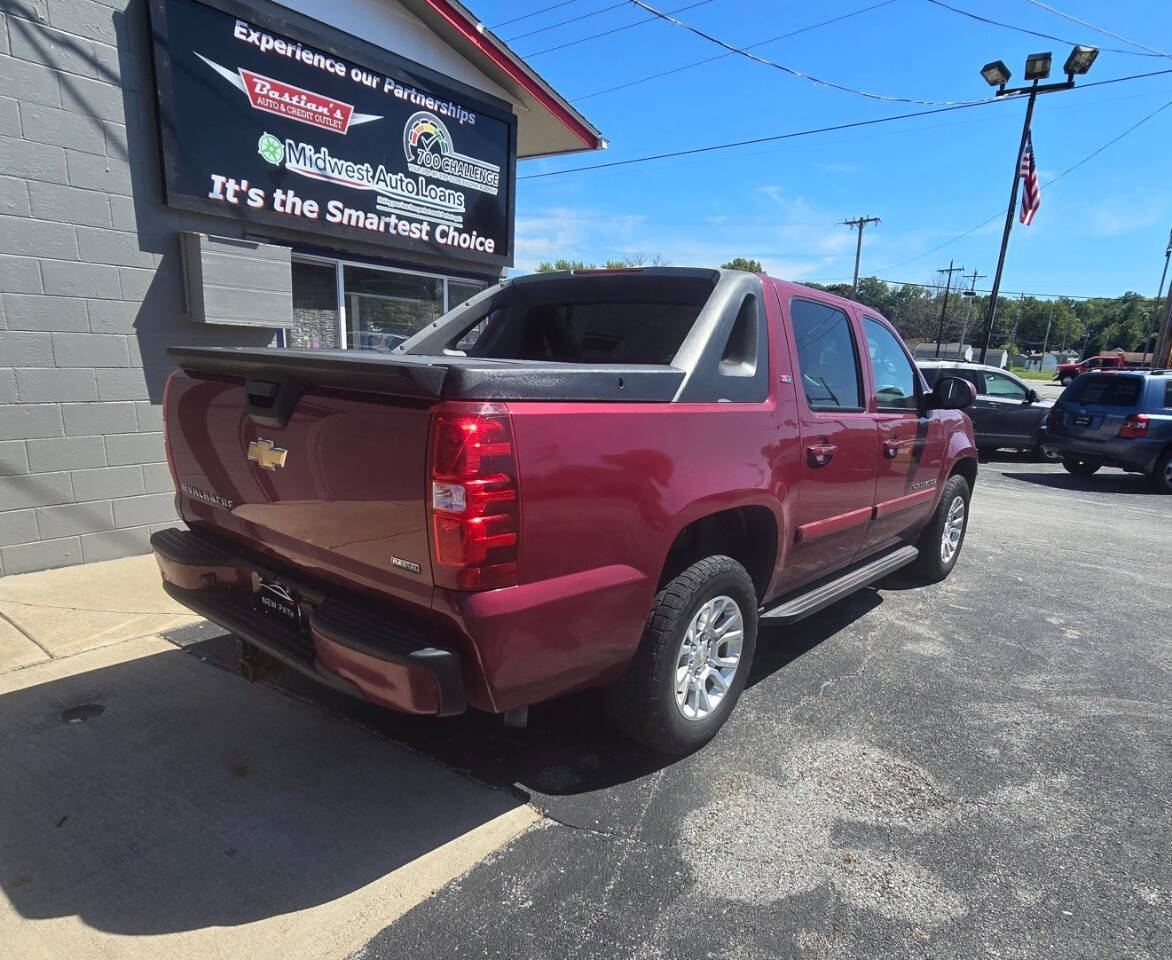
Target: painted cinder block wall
[(91, 289), (91, 283)]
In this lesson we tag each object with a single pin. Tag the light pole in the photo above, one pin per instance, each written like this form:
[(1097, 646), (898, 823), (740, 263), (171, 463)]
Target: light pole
[(997, 74), (1156, 312)]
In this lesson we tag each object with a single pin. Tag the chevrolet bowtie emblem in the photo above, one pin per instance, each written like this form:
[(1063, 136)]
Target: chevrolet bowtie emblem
[(265, 455)]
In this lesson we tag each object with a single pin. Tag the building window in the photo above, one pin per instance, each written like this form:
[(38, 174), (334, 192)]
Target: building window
[(383, 308), (362, 307)]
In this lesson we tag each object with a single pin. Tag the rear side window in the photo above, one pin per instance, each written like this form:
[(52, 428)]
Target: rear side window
[(1109, 390), (1168, 394), (827, 356), (895, 379)]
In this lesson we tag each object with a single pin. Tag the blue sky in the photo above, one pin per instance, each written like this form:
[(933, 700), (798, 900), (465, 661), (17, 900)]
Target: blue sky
[(1102, 229)]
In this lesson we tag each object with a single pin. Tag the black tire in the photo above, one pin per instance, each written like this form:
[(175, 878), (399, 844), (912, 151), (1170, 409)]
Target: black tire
[(1067, 380), (642, 702), (1161, 476), (931, 566), (1080, 468)]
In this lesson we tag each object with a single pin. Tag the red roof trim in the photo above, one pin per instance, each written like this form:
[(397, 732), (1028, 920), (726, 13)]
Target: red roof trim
[(468, 30)]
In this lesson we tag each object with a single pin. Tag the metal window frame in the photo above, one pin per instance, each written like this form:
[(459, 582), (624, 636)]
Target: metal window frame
[(340, 263)]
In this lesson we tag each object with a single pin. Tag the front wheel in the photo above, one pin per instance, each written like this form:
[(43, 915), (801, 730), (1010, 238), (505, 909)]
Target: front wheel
[(943, 537), (1080, 468), (1067, 380), (692, 662)]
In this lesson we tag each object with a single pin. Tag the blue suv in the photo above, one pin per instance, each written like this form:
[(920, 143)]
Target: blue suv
[(1115, 419)]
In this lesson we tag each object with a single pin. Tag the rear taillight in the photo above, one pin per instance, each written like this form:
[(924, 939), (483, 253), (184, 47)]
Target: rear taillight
[(475, 507), (1135, 426), (1054, 417)]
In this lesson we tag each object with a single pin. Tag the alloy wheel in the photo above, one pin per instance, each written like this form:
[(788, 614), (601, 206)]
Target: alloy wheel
[(953, 529), (709, 657)]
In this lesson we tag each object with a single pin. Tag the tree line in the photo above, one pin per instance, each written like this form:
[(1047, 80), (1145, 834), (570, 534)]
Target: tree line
[(1021, 324)]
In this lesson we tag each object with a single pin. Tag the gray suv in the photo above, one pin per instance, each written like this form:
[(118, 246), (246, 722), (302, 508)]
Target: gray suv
[(1005, 413), (1115, 419)]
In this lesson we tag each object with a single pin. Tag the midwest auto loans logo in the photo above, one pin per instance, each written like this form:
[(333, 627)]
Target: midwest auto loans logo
[(428, 147), (287, 100)]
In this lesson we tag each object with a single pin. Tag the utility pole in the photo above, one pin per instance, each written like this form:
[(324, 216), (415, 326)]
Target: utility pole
[(971, 294), (1016, 323), (858, 223), (1046, 338), (1160, 360), (1156, 312), (944, 310)]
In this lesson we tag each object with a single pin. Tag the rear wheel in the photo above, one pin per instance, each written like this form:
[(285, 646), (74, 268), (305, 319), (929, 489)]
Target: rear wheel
[(1067, 380), (1080, 468), (693, 659), (1161, 475), (943, 537)]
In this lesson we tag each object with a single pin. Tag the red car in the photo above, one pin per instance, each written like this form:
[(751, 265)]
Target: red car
[(1067, 372), (591, 479)]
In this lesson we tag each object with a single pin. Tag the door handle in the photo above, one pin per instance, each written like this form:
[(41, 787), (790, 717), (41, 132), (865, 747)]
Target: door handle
[(820, 454), (891, 448)]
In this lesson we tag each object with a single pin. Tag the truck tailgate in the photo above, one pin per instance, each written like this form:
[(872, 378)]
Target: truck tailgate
[(334, 484)]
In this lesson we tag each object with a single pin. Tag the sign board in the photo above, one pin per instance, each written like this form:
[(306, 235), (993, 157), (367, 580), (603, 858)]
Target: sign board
[(271, 117)]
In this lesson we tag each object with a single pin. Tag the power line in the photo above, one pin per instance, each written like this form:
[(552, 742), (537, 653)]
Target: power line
[(1105, 32), (537, 12), (721, 56), (1034, 33), (744, 52), (562, 23), (607, 33), (744, 143), (1070, 169)]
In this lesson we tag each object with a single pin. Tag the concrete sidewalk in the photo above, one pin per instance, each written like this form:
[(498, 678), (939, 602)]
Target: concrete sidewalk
[(58, 613), (153, 805)]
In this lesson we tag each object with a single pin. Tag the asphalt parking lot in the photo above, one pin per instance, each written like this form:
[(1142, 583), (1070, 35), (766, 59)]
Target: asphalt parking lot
[(975, 769)]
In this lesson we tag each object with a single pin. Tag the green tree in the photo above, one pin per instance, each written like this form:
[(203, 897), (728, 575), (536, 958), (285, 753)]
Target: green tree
[(562, 264), (741, 263)]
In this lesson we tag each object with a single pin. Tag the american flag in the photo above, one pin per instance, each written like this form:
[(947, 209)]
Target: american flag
[(1031, 196)]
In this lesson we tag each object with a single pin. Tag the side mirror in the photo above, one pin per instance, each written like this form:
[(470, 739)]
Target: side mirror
[(1033, 396), (952, 393)]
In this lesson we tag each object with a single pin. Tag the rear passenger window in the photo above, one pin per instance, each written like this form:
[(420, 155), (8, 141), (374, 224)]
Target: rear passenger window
[(1168, 394), (1107, 389), (827, 357), (895, 379)]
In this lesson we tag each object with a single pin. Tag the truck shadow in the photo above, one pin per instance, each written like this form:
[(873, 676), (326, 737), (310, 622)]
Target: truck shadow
[(1105, 481), (569, 746), (156, 796)]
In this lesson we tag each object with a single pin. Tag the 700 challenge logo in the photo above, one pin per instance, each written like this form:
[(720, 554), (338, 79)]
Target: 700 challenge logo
[(428, 147)]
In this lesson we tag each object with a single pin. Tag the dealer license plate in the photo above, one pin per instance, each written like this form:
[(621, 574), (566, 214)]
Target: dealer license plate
[(1082, 420), (279, 602)]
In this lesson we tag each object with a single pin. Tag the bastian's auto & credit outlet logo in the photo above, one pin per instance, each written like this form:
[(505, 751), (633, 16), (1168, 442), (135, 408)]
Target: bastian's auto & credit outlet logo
[(296, 103)]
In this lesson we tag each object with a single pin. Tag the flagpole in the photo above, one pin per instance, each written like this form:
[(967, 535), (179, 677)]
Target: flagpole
[(992, 312)]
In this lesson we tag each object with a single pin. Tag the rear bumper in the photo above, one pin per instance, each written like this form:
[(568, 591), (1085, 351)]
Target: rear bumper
[(376, 655), (1124, 452)]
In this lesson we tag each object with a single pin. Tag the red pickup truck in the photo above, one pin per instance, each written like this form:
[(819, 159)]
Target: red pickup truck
[(590, 479), (1067, 372)]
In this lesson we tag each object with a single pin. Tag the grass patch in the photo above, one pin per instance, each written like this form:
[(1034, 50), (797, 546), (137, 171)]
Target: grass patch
[(1032, 374)]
